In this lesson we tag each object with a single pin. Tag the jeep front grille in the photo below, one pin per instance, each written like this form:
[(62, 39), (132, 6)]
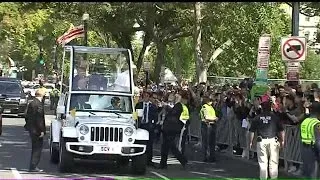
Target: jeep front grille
[(110, 134)]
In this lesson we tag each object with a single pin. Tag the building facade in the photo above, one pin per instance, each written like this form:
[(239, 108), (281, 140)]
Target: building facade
[(308, 26)]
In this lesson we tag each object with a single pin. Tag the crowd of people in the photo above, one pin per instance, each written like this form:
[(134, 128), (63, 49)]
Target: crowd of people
[(253, 115)]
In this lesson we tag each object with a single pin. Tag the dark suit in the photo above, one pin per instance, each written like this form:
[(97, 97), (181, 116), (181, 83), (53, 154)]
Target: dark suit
[(171, 128), (35, 124), (148, 124)]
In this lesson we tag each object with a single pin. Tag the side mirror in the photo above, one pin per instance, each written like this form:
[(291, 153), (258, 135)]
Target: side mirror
[(1, 110), (61, 109)]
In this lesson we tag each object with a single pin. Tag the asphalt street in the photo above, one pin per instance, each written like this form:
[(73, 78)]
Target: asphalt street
[(15, 153)]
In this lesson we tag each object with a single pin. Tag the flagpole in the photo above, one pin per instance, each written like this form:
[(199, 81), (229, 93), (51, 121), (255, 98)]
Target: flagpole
[(85, 19)]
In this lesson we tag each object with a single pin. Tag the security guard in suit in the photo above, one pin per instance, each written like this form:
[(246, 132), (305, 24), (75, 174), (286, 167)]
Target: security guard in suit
[(171, 129), (208, 129), (310, 137), (184, 118)]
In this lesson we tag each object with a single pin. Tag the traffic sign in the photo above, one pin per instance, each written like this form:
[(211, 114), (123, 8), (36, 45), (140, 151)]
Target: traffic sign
[(261, 76), (263, 59), (146, 65), (264, 51), (293, 66), (293, 49), (293, 76)]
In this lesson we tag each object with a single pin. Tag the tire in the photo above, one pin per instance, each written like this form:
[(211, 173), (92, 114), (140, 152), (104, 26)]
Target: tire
[(54, 152), (139, 164), (66, 161)]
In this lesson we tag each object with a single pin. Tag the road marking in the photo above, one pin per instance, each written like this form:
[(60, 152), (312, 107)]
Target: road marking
[(170, 160), (199, 162), (16, 173), (159, 175), (200, 173)]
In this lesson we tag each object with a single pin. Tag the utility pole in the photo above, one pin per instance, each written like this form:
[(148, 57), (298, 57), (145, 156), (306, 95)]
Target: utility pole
[(295, 18)]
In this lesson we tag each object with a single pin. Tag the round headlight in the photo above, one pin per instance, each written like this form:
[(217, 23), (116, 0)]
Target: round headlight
[(84, 129), (128, 131)]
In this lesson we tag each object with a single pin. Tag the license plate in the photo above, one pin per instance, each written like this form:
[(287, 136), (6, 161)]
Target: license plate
[(6, 111), (105, 149)]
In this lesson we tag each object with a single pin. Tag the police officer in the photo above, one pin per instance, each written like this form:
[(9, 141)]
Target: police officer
[(184, 118), (310, 137), (54, 97), (171, 128), (267, 126), (208, 129)]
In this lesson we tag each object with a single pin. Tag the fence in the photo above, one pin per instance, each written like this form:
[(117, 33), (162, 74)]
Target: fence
[(230, 132)]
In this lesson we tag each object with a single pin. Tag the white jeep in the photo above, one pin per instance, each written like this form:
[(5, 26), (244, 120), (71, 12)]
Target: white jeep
[(95, 116)]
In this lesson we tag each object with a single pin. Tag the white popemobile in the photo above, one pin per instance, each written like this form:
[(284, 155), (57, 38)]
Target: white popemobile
[(95, 113)]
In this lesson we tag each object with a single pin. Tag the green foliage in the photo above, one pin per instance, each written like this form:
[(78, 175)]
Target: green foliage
[(311, 66), (243, 23), (163, 24)]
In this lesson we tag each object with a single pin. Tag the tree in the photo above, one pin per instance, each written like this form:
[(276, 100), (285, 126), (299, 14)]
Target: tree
[(243, 23), (311, 66)]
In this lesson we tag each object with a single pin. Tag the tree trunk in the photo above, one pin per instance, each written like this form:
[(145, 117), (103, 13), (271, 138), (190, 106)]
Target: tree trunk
[(146, 43), (200, 64), (161, 47), (177, 59)]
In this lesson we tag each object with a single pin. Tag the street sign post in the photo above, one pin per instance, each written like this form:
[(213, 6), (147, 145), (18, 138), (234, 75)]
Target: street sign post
[(263, 59), (293, 49)]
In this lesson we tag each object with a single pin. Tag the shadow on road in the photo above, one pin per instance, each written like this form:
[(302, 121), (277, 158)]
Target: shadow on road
[(16, 149)]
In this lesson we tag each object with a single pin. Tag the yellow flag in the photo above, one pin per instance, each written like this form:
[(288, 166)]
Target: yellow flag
[(73, 113), (135, 115)]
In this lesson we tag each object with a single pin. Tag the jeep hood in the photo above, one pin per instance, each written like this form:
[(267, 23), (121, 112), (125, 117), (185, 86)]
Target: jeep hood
[(110, 120)]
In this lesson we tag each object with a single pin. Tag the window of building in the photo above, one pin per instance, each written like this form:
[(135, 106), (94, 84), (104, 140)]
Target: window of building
[(307, 34), (307, 18)]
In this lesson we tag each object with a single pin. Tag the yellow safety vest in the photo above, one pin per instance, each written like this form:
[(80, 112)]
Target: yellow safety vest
[(185, 113), (207, 112), (307, 130)]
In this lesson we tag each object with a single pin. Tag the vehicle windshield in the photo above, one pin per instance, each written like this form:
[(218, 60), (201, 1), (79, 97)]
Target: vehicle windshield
[(9, 88), (101, 103), (101, 70)]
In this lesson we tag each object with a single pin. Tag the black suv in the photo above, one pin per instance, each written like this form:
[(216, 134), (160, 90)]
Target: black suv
[(12, 97)]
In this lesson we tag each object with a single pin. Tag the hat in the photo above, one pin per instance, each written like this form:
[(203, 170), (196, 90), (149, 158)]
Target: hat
[(265, 98)]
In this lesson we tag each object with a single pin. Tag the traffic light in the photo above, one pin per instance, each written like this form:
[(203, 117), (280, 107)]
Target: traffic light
[(41, 60)]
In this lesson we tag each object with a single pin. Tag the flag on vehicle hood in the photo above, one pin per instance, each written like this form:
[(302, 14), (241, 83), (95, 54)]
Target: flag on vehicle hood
[(72, 33), (73, 113)]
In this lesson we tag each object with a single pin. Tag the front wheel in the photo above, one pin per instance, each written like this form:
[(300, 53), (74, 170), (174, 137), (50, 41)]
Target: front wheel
[(139, 164), (65, 158)]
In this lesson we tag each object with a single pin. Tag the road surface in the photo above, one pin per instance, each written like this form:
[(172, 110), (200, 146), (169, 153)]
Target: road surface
[(15, 154)]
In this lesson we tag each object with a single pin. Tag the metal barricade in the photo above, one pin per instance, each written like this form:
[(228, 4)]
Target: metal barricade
[(195, 125), (292, 151), (230, 132)]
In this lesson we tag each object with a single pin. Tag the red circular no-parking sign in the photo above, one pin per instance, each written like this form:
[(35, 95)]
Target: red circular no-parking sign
[(292, 45)]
